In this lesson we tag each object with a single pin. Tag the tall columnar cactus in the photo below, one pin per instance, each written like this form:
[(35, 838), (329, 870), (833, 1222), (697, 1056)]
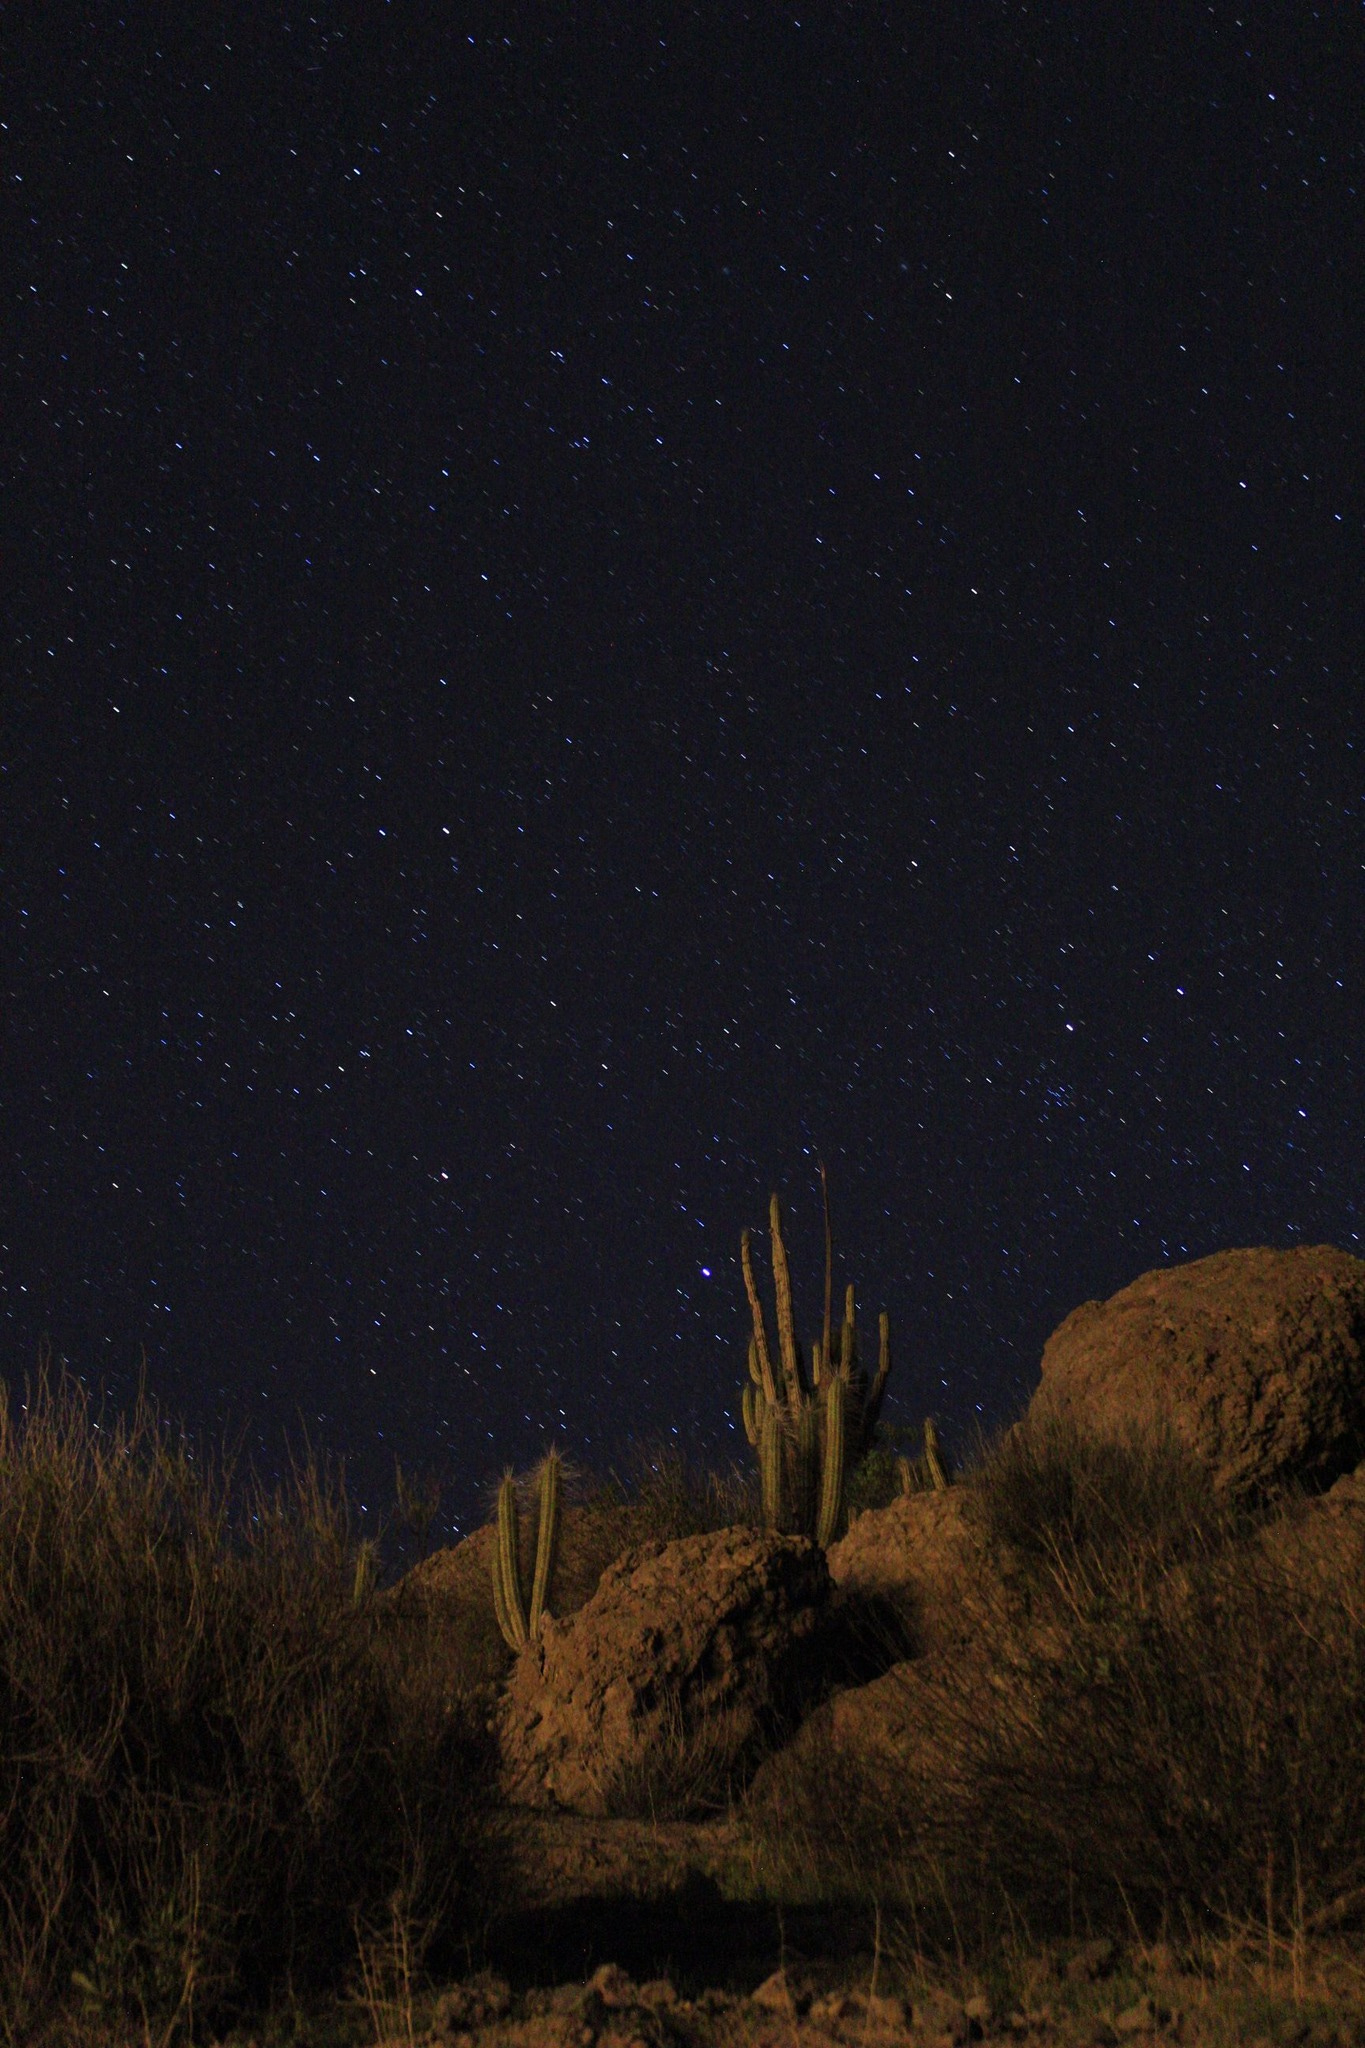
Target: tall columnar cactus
[(933, 1457), (809, 1427), (508, 1599)]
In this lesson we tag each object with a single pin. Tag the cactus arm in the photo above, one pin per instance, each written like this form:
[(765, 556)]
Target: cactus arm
[(832, 1478), (905, 1475), (749, 1409), (829, 1265), (500, 1602), (770, 1465), (932, 1458), (786, 1328), (764, 1357), (547, 1539), (874, 1399), (508, 1565)]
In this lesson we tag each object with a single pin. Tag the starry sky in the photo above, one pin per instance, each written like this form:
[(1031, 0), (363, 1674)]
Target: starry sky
[(604, 604)]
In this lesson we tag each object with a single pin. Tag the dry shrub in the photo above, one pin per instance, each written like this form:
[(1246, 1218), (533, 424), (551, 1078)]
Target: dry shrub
[(665, 1495), (692, 1770), (1047, 1491), (1162, 1728), (208, 1773)]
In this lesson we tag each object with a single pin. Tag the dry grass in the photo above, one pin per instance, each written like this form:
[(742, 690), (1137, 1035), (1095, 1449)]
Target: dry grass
[(694, 1770), (234, 1777), (1161, 1731), (210, 1770), (667, 1495)]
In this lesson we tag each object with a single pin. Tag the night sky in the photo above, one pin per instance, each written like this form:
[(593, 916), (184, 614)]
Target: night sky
[(603, 604)]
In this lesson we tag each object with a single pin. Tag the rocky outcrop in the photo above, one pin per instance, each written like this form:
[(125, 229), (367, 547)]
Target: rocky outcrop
[(700, 1647), (1254, 1359), (1319, 1544), (924, 1553)]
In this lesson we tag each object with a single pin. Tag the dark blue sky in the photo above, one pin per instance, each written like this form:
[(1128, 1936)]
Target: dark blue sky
[(595, 614)]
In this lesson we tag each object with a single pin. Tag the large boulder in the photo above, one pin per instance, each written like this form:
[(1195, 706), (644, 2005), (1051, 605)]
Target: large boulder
[(708, 1642), (1254, 1359)]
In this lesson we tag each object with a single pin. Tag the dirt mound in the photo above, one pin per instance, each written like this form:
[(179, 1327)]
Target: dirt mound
[(1254, 1358)]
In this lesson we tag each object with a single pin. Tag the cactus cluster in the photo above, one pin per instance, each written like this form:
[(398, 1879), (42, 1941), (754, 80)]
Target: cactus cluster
[(929, 1472), (509, 1601), (809, 1426)]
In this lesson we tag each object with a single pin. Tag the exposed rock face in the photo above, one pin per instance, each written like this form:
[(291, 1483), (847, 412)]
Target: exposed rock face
[(925, 1553), (681, 1640), (1255, 1359)]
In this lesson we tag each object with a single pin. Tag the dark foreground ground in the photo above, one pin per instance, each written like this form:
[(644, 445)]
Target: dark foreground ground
[(634, 1933)]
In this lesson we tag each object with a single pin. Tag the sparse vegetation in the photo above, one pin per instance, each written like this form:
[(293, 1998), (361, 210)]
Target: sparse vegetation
[(665, 1495), (211, 1772), (233, 1773), (1161, 1729), (691, 1772)]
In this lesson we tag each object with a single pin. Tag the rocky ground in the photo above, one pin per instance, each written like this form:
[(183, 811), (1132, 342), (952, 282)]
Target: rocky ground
[(1089, 1996), (704, 1970)]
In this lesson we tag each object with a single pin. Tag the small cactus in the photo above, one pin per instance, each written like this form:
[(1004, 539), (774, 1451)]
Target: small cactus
[(809, 1429), (933, 1457), (509, 1602), (927, 1473)]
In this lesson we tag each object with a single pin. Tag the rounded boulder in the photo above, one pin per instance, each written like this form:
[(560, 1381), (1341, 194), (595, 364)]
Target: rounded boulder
[(1253, 1359)]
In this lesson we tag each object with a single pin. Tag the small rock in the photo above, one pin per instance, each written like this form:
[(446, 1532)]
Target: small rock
[(942, 2018), (612, 1985), (776, 1994), (884, 2009), (1146, 2017), (1092, 1961), (659, 1991), (472, 2004), (580, 2001)]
